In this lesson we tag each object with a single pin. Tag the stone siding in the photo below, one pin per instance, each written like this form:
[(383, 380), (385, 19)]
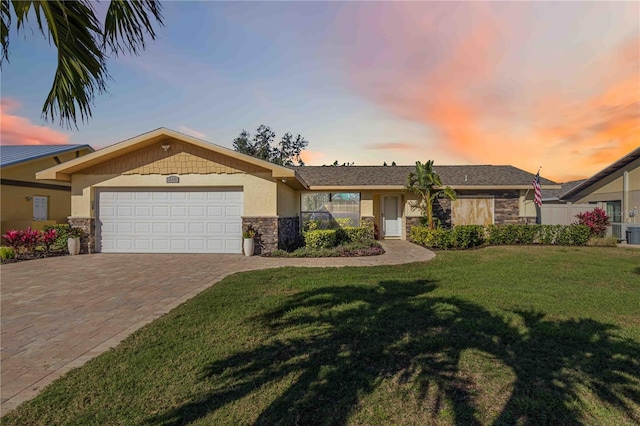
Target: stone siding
[(442, 211), (506, 208), (288, 232), (88, 226), (527, 220), (273, 233)]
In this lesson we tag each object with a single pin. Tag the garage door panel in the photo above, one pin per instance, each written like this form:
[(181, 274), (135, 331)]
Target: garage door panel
[(196, 228), (160, 212), (170, 221), (142, 196), (124, 228), (197, 211), (142, 228), (214, 211), (232, 228), (178, 227), (178, 211)]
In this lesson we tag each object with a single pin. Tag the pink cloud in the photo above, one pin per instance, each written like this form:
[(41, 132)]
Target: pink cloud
[(196, 134), (490, 92), (16, 130), (312, 158)]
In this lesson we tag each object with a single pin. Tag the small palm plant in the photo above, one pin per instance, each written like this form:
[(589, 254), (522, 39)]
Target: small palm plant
[(426, 183)]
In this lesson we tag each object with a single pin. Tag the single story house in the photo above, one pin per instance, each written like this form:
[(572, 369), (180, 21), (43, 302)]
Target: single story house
[(167, 192), (617, 186), (25, 201)]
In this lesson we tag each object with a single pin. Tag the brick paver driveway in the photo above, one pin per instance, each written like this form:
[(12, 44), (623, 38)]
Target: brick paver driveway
[(58, 313)]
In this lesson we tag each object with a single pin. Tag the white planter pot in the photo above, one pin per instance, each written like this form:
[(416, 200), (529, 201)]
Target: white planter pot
[(248, 246), (73, 244)]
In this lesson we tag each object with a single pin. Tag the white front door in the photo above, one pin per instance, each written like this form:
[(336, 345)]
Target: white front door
[(392, 217), (165, 221)]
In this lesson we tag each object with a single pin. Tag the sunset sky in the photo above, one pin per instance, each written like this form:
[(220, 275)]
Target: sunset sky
[(545, 84)]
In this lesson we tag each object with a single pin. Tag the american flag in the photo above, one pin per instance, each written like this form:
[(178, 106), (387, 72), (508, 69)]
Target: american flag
[(537, 198)]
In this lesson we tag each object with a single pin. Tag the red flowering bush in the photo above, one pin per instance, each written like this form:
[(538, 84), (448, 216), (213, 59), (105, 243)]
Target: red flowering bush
[(48, 238), (597, 220), (13, 238), (23, 241)]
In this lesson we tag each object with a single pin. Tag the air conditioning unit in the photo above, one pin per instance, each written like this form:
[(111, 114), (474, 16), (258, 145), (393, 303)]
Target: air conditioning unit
[(619, 230)]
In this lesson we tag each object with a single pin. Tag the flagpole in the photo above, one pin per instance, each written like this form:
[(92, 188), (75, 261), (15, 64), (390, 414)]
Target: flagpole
[(528, 189)]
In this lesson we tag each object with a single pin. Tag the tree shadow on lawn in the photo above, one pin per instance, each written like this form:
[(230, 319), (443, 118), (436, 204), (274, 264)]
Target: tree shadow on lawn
[(337, 344)]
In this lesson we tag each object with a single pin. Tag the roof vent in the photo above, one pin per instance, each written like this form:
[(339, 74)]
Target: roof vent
[(465, 178)]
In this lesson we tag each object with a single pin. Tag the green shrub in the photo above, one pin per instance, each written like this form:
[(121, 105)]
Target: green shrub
[(548, 234), (321, 238), (60, 243), (358, 233), (7, 253), (573, 235), (344, 221), (467, 236), (528, 234), (433, 238)]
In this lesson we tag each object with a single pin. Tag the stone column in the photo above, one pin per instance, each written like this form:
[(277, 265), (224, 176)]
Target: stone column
[(88, 226)]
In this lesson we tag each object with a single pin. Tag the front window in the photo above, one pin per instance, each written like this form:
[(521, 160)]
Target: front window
[(614, 211), (329, 210)]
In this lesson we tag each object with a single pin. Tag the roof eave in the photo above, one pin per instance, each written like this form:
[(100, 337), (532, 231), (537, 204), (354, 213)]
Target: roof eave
[(49, 154), (611, 168)]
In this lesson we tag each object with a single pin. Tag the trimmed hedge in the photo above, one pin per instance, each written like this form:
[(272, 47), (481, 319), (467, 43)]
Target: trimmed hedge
[(321, 238), (469, 236), (327, 238)]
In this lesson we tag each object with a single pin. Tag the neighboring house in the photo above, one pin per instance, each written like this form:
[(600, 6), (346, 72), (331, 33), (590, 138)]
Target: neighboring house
[(167, 192), (617, 187), (25, 201), (553, 195)]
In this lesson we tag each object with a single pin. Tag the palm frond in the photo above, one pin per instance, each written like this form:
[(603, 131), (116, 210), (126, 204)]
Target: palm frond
[(127, 22), (5, 23), (81, 71)]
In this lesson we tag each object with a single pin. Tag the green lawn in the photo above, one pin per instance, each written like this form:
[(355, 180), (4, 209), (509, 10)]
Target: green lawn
[(501, 335)]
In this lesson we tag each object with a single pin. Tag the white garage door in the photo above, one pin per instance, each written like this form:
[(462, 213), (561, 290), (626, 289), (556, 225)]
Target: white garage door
[(170, 221)]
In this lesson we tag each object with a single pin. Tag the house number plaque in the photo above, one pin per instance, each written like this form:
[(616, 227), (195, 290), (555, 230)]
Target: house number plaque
[(173, 179)]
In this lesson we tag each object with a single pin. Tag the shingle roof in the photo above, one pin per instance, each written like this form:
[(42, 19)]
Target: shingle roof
[(397, 175), (14, 154), (554, 194)]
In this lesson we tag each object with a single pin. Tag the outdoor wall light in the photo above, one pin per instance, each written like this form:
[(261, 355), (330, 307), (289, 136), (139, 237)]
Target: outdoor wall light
[(284, 181), (28, 198), (166, 147)]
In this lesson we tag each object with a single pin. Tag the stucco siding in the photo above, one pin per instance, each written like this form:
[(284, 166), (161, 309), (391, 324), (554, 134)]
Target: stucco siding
[(366, 204), (288, 201), (17, 211)]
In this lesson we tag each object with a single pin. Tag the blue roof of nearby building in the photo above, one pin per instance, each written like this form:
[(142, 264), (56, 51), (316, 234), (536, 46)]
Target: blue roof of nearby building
[(14, 154)]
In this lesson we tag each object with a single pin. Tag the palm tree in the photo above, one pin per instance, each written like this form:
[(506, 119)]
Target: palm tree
[(83, 44), (425, 182)]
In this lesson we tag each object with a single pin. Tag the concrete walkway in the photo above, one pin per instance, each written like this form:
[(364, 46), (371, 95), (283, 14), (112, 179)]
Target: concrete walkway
[(60, 312)]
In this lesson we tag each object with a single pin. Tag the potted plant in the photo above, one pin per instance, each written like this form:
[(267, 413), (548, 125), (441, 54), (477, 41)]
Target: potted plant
[(249, 243), (73, 240)]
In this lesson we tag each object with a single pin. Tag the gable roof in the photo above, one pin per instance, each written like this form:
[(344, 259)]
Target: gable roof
[(63, 172), (395, 177), (16, 154), (612, 168)]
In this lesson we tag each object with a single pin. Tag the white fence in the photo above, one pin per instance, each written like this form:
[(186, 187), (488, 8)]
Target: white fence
[(564, 214)]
